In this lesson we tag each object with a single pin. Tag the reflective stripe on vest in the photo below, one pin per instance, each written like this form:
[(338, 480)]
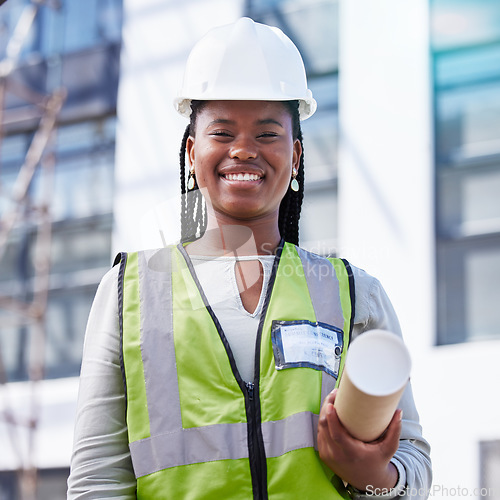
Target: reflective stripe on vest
[(158, 438)]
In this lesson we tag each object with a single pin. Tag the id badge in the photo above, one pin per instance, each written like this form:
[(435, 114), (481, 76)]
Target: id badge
[(303, 343)]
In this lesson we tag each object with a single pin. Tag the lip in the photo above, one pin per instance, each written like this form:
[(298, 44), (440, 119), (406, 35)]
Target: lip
[(242, 175), (240, 167), (241, 183)]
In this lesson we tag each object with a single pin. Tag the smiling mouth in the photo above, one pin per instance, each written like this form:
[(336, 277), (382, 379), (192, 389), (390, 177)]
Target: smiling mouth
[(242, 177)]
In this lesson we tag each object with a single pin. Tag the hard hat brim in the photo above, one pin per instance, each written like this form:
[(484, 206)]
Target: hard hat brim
[(307, 107)]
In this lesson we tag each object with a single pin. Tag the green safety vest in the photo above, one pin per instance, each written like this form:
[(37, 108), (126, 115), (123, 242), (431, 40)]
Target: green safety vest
[(196, 429)]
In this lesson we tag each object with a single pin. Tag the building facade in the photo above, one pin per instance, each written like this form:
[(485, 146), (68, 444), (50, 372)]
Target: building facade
[(56, 212), (420, 120), (402, 166)]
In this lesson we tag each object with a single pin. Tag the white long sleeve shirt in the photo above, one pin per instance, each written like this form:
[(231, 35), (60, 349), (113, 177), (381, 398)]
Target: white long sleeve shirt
[(101, 466)]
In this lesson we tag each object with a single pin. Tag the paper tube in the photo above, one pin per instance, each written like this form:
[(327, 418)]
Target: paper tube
[(376, 372)]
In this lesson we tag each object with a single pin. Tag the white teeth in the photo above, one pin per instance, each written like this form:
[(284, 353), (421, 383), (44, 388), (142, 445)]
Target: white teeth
[(242, 177)]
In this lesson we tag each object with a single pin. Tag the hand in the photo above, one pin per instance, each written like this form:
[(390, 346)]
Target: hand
[(356, 462)]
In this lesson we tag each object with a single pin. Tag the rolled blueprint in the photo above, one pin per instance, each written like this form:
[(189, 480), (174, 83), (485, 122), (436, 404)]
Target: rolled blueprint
[(376, 372)]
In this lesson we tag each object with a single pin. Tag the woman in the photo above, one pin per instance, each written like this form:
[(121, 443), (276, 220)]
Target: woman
[(202, 375)]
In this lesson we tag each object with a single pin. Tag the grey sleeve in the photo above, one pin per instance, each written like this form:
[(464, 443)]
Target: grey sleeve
[(100, 465), (375, 311)]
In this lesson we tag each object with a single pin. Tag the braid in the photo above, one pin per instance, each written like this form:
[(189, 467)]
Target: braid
[(193, 207), (182, 158), (289, 212)]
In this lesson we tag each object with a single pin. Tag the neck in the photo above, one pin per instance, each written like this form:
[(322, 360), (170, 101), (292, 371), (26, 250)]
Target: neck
[(225, 236)]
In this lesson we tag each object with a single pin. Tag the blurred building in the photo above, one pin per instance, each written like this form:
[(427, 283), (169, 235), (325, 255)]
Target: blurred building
[(46, 47), (419, 164), (402, 174)]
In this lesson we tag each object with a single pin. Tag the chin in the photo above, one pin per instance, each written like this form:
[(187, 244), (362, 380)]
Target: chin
[(245, 213)]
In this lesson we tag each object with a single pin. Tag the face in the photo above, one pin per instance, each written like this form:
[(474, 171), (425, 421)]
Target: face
[(243, 153)]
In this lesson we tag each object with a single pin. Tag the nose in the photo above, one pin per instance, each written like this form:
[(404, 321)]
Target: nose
[(243, 148)]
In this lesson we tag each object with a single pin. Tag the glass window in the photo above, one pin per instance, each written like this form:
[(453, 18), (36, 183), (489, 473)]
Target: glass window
[(459, 23), (13, 148), (468, 123), (67, 314), (459, 67), (80, 24), (8, 176), (468, 271), (74, 246), (82, 195), (482, 294), (489, 456), (83, 25), (320, 147), (10, 14), (83, 186), (15, 263), (81, 208), (468, 202), (50, 485), (86, 135), (318, 220), (76, 25), (14, 347), (319, 47), (80, 255), (109, 20), (8, 485), (466, 55), (80, 245)]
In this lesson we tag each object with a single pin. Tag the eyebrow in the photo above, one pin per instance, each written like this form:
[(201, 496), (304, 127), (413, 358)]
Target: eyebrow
[(266, 121)]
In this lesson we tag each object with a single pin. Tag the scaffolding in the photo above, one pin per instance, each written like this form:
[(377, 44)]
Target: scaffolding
[(23, 211)]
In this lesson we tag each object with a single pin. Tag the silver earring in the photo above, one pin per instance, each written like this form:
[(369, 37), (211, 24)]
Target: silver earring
[(191, 180), (294, 185)]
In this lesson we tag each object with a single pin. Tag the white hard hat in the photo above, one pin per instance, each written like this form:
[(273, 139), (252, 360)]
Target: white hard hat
[(245, 61)]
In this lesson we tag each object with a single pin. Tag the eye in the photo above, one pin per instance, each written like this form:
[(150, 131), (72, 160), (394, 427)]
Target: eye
[(267, 135), (220, 134)]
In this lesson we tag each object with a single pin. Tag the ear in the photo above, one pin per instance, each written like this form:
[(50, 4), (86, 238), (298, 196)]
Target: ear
[(297, 153), (190, 150)]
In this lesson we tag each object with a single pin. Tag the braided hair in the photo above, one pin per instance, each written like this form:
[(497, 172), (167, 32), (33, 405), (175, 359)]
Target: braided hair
[(193, 208)]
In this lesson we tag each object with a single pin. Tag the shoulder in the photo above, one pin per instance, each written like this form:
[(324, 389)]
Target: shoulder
[(105, 303), (146, 252), (108, 282), (367, 286), (309, 257), (154, 258), (374, 309)]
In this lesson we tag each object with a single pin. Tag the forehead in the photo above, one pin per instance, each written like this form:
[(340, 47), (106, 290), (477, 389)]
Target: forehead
[(245, 112)]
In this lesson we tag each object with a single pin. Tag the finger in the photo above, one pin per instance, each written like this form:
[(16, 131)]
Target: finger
[(324, 437), (331, 397), (323, 420), (390, 439), (394, 426), (336, 429)]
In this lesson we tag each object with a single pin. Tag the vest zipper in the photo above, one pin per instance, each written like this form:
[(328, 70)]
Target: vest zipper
[(256, 449), (250, 390), (256, 452)]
